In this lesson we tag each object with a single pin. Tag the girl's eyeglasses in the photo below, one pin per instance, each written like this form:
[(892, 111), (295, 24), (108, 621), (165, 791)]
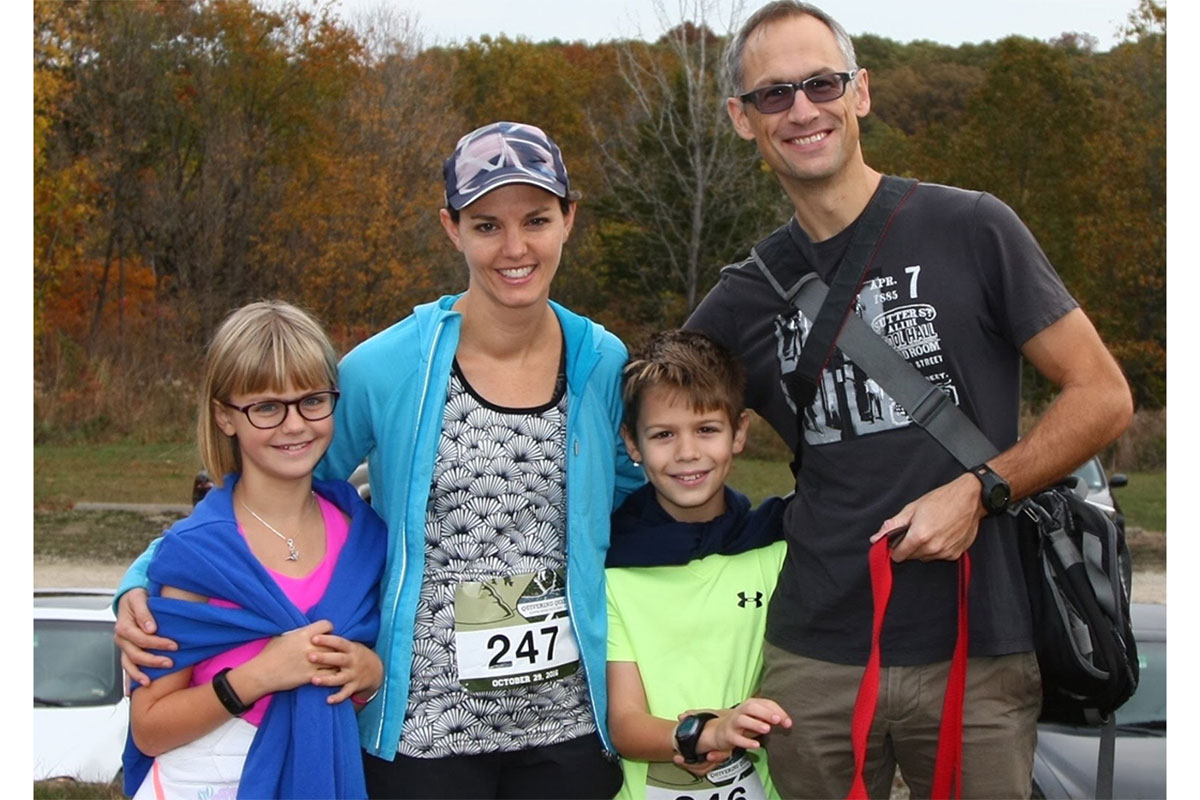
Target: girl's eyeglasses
[(267, 414)]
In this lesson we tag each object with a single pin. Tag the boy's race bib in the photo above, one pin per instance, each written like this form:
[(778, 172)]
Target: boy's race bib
[(513, 631), (735, 779)]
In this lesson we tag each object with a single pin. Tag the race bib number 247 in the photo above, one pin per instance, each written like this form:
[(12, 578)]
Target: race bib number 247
[(513, 631)]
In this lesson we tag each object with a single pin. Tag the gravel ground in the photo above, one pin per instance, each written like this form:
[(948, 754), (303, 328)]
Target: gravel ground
[(66, 575)]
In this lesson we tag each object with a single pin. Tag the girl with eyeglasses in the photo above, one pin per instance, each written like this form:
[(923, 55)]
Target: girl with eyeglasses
[(269, 588)]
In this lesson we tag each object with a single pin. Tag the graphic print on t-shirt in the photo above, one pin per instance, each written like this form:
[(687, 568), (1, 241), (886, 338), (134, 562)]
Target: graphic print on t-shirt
[(848, 402)]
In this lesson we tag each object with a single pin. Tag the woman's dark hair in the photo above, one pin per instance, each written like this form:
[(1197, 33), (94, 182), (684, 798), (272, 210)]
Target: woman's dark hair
[(563, 202)]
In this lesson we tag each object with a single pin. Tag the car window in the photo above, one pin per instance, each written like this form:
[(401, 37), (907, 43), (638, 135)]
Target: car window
[(75, 663), (1149, 703), (1091, 474)]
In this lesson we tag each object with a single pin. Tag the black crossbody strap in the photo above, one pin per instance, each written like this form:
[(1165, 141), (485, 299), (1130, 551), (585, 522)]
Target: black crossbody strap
[(847, 282), (926, 404), (828, 317)]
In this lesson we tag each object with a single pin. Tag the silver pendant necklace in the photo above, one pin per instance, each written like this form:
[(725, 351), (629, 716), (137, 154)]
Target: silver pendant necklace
[(293, 554)]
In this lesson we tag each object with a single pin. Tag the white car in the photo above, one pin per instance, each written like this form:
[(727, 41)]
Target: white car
[(80, 712)]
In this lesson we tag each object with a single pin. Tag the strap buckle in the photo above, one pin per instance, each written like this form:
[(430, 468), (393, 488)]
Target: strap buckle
[(929, 406)]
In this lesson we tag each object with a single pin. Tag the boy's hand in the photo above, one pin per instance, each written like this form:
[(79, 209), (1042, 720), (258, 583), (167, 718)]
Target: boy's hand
[(740, 727), (712, 760)]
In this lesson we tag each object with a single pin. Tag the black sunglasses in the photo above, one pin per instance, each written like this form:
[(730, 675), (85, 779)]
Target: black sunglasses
[(780, 96)]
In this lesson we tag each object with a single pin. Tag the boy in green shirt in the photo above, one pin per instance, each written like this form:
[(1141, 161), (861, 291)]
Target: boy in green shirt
[(691, 568)]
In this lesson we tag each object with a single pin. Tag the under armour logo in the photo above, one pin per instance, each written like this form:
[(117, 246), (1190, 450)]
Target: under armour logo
[(757, 600)]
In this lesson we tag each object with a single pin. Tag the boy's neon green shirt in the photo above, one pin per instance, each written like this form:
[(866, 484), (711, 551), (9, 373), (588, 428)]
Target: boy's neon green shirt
[(696, 634)]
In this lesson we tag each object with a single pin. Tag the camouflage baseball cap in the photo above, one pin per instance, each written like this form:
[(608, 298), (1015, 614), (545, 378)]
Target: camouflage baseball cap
[(499, 154)]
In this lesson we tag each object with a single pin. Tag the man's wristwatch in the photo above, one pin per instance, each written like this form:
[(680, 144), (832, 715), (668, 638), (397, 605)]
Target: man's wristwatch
[(995, 493), (687, 736)]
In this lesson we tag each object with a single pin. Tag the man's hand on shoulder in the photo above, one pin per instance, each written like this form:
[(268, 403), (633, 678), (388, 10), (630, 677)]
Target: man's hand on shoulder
[(942, 523)]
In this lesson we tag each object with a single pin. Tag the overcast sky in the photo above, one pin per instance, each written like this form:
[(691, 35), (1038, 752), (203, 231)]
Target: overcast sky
[(949, 21)]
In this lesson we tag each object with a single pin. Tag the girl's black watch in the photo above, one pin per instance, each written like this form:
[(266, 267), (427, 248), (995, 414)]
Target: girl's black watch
[(995, 493), (687, 736), (228, 697)]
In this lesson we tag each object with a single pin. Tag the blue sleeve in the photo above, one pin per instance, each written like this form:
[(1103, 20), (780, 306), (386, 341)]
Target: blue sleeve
[(135, 576), (629, 476)]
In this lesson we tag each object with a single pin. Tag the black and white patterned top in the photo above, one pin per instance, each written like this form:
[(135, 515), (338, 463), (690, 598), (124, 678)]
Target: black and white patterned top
[(497, 508)]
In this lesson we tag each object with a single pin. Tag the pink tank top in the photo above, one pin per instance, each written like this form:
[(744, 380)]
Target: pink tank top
[(303, 592)]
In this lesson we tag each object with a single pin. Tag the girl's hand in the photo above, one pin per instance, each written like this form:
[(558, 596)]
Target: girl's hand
[(286, 662), (351, 665)]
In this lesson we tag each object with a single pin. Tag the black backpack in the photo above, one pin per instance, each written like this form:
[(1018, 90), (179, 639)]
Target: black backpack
[(1077, 573)]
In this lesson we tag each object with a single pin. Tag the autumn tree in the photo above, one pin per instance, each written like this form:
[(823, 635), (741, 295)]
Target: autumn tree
[(1041, 134), (180, 127), (191, 156), (360, 233), (64, 207), (684, 194), (1121, 239)]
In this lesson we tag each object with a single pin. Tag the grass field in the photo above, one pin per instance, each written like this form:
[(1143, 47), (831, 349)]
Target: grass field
[(1144, 500), (133, 473), (70, 790), (104, 537), (163, 474)]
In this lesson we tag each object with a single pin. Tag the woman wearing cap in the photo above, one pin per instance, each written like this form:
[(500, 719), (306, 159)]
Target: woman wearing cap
[(489, 419)]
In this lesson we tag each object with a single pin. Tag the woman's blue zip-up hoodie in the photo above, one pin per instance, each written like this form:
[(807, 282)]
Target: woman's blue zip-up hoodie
[(393, 394)]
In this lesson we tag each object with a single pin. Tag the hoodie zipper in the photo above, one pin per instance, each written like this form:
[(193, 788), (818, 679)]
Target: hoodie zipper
[(403, 548), (573, 402)]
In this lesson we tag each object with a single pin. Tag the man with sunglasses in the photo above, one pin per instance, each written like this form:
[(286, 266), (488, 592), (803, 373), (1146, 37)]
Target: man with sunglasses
[(959, 287)]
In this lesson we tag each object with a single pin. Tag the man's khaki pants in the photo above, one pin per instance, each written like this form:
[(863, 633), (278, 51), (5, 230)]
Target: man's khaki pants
[(814, 758)]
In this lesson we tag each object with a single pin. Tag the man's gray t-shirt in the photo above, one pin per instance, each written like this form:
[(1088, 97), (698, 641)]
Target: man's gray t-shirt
[(958, 286)]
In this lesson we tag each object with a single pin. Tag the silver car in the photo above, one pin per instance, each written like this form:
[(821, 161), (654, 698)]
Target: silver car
[(1064, 764)]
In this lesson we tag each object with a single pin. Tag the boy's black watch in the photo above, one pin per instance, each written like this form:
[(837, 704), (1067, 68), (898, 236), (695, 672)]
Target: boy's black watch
[(995, 493), (687, 736)]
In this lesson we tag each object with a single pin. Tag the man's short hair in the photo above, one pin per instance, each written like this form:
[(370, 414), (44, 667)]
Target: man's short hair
[(689, 364), (772, 12)]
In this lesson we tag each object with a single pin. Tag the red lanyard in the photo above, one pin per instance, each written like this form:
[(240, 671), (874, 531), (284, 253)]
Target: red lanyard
[(947, 771)]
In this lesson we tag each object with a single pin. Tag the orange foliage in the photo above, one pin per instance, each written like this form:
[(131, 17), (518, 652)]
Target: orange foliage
[(70, 307)]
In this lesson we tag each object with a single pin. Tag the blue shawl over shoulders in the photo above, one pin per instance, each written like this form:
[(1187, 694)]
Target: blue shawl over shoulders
[(304, 747)]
